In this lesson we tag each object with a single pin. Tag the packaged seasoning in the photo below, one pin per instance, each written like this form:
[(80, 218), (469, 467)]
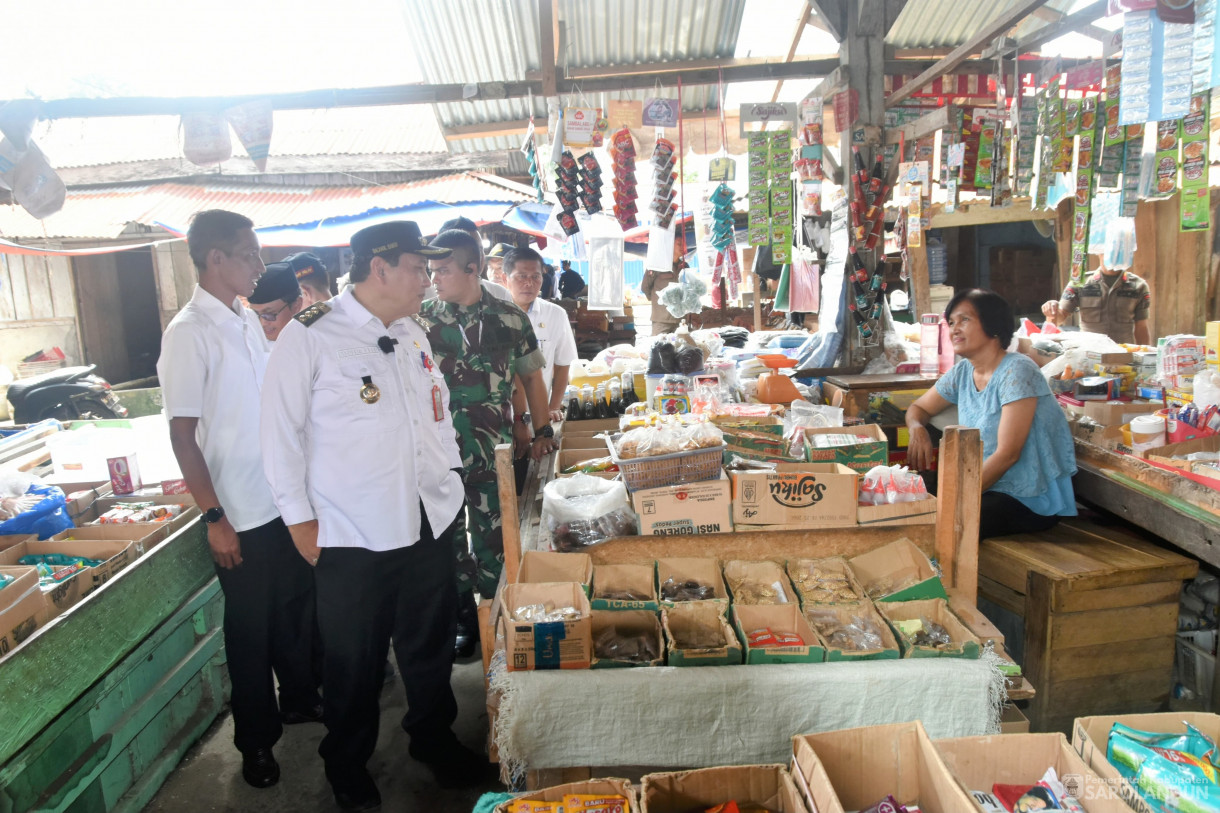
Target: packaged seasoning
[(687, 590)]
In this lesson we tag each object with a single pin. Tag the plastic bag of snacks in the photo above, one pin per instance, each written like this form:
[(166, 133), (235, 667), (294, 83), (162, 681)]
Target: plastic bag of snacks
[(583, 510), (887, 485)]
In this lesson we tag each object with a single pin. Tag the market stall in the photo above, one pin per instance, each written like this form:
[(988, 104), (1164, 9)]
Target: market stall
[(113, 669)]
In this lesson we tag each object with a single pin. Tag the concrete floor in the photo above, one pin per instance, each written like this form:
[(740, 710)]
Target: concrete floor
[(209, 777)]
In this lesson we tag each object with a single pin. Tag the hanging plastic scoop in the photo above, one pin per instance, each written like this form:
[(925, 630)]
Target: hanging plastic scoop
[(774, 387)]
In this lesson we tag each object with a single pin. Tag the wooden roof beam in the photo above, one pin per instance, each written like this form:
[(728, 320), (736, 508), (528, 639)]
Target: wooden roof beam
[(801, 22), (1074, 22), (833, 14), (548, 37), (960, 54)]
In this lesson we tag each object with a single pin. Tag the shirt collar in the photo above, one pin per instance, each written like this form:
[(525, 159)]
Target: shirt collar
[(213, 308), (346, 303)]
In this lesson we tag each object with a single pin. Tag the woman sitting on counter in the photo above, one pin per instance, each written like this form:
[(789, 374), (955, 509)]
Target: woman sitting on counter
[(1028, 454)]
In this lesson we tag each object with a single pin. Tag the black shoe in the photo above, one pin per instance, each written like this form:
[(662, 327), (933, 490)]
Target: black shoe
[(359, 793), (259, 768), (467, 639), (453, 765), (296, 717)]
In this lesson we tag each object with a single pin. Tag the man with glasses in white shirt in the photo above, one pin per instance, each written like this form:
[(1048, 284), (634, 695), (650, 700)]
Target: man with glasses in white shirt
[(213, 356), (276, 299)]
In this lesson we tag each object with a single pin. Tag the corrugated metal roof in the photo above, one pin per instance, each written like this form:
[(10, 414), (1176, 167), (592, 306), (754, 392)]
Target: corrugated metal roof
[(336, 131), (104, 213), (949, 23), (596, 33)]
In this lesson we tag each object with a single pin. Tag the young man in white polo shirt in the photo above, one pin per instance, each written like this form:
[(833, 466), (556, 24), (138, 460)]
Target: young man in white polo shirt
[(213, 355)]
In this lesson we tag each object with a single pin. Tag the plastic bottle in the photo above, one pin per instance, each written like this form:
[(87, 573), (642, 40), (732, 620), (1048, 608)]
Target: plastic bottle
[(616, 397), (588, 409), (571, 397)]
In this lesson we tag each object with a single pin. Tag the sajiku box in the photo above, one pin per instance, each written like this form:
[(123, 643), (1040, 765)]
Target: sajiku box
[(799, 495), (684, 510)]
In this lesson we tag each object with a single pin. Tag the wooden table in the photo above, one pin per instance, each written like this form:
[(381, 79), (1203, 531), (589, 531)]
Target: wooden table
[(1100, 613), (856, 389)]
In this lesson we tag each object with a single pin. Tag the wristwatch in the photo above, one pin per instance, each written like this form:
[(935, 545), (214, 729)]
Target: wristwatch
[(524, 417), (213, 515), (547, 431)]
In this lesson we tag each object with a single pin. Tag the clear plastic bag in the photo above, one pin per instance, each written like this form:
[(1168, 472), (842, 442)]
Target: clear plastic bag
[(582, 510), (888, 485)]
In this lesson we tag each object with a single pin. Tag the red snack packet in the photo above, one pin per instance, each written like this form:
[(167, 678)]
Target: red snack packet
[(1009, 794), (662, 151), (788, 639), (761, 638)]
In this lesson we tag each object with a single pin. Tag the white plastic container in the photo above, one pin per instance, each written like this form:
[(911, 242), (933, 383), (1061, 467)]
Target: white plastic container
[(1147, 432)]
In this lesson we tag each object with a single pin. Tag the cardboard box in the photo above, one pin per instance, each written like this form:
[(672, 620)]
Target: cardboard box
[(23, 608), (1211, 343), (821, 495), (567, 458), (551, 644), (1090, 736), (704, 571), (963, 642), (593, 787), (871, 450), (572, 442), (845, 614), (920, 512), (680, 620), (541, 567), (104, 504), (637, 579), (590, 427), (1165, 454), (978, 763), (686, 509), (8, 541), (762, 582), (768, 786), (1121, 357), (1012, 721), (628, 622), (1114, 413), (82, 494), (144, 535), (779, 618), (902, 565), (864, 765), (115, 555), (804, 576)]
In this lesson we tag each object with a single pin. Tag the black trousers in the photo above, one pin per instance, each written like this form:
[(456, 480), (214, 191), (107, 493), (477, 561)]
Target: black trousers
[(268, 625), (1002, 515), (365, 598)]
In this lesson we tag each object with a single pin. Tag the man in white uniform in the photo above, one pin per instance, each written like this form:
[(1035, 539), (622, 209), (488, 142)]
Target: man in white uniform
[(523, 267), (361, 453), (213, 355)]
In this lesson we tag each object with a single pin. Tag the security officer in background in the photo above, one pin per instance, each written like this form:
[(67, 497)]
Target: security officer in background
[(1111, 300), (276, 299), (482, 343), (372, 506), (495, 263), (311, 273)]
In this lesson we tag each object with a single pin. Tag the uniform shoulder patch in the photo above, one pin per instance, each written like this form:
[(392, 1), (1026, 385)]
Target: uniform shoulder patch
[(312, 314)]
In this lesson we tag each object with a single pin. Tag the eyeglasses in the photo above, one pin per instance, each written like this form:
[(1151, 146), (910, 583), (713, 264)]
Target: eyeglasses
[(271, 316)]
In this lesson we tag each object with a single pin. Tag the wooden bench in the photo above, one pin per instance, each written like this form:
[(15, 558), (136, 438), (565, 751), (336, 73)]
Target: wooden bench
[(1099, 608)]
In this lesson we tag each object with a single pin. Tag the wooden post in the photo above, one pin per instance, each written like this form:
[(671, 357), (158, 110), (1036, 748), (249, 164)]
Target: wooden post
[(919, 278), (510, 516), (957, 508)]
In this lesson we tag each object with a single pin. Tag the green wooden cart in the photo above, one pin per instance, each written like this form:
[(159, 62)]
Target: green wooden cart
[(100, 705)]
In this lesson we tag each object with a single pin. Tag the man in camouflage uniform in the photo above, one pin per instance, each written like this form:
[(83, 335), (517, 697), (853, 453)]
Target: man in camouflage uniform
[(1112, 302), (481, 343)]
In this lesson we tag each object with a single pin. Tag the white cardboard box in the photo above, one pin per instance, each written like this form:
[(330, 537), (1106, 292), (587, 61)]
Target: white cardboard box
[(683, 510)]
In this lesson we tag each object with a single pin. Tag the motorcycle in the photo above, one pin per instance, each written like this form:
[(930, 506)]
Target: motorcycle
[(69, 394)]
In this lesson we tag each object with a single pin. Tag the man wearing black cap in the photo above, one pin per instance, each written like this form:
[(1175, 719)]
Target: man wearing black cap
[(312, 275), (465, 224), (482, 344), (276, 299), (373, 506)]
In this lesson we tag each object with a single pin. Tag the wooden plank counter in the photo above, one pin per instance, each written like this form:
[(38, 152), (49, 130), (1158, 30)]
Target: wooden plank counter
[(1180, 511), (857, 388)]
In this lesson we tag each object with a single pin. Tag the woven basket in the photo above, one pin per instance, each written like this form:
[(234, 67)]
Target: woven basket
[(668, 469)]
